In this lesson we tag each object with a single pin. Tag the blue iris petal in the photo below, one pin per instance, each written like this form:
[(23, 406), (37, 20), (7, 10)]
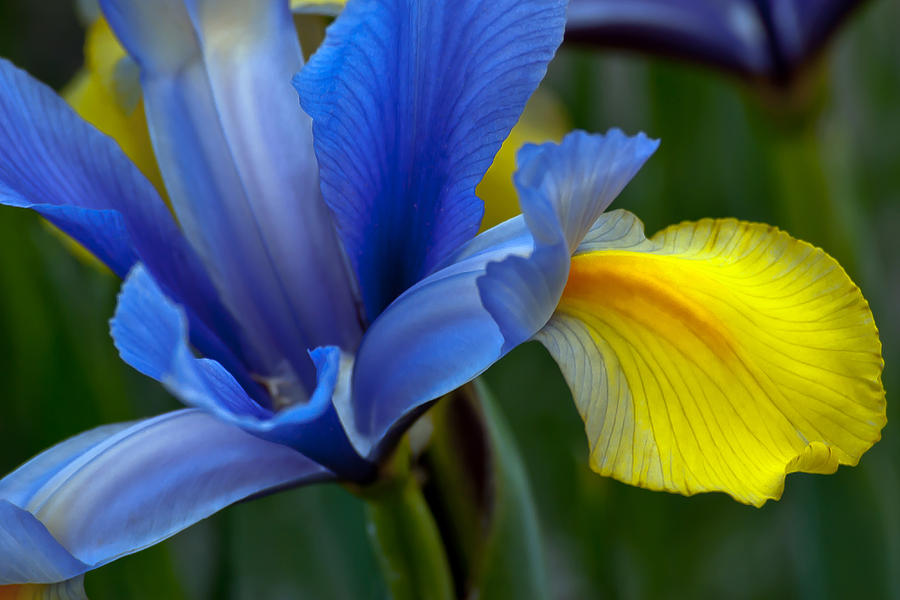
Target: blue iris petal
[(54, 163), (410, 102), (563, 188), (150, 333), (235, 150), (113, 491), (499, 291), (30, 553)]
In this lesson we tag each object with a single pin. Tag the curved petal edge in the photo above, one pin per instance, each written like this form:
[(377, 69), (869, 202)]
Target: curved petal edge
[(118, 489)]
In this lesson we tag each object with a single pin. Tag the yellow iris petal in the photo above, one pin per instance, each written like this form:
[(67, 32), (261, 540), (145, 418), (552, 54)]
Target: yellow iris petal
[(72, 589), (543, 120), (106, 93), (320, 7), (716, 356)]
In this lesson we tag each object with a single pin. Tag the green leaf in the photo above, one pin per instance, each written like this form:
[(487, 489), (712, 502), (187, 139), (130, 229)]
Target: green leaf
[(512, 563)]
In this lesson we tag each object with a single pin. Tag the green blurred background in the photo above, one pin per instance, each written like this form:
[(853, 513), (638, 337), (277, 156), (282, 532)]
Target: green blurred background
[(727, 150)]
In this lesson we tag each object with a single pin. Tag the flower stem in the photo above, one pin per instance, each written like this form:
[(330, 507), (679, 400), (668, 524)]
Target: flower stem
[(406, 538), (812, 204), (811, 207)]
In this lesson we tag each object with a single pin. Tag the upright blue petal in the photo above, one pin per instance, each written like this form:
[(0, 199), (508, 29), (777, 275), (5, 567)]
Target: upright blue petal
[(235, 151), (111, 492), (410, 101), (56, 164), (499, 291), (151, 334)]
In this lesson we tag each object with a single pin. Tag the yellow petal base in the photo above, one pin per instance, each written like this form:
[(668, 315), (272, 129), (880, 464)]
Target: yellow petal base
[(72, 589), (94, 95), (320, 7), (543, 120), (716, 356)]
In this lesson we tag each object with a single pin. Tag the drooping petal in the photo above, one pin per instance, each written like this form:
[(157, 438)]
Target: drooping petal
[(54, 163), (727, 33), (30, 552), (108, 493), (718, 355), (498, 292), (235, 150), (150, 332), (410, 102)]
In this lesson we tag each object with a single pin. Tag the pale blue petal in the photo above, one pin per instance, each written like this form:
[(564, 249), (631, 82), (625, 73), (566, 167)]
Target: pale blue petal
[(434, 338), (150, 332), (501, 289), (235, 150), (566, 186), (106, 494), (22, 484), (563, 189), (55, 163), (29, 553), (410, 102)]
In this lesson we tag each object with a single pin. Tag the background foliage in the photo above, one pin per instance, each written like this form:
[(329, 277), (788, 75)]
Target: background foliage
[(728, 150)]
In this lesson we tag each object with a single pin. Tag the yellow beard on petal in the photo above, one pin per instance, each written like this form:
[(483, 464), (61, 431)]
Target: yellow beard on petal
[(648, 290)]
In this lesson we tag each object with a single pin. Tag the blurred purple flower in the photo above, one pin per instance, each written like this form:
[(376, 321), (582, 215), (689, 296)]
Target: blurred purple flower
[(767, 39)]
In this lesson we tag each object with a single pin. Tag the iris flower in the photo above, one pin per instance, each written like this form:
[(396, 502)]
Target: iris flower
[(764, 39), (322, 283)]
